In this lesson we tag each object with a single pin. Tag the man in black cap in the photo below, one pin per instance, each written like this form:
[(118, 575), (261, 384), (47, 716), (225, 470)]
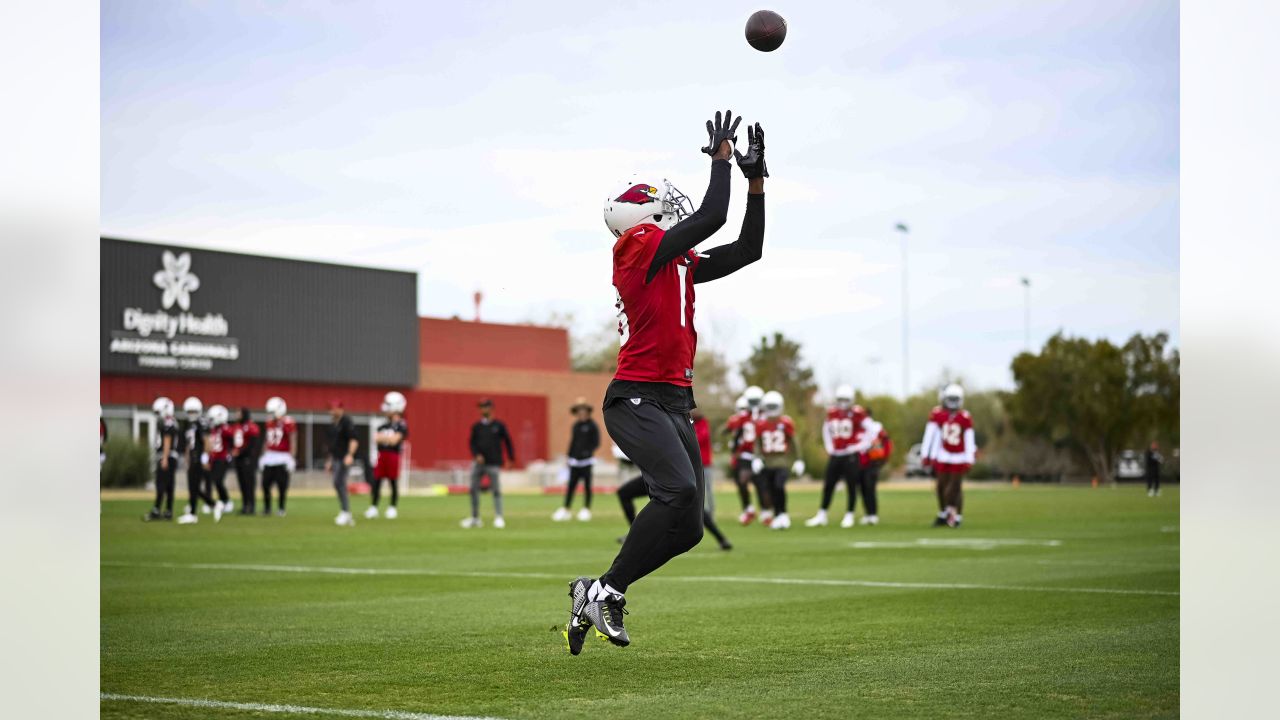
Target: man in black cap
[(584, 439), (488, 438)]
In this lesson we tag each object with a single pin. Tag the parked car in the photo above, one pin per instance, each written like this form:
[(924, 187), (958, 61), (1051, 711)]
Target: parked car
[(1129, 466), (914, 465)]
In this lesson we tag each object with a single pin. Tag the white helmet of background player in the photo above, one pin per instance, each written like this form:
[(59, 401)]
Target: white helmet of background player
[(163, 407), (217, 415), (641, 202), (952, 397), (844, 397), (393, 402), (192, 407), (276, 407), (740, 404), (772, 404), (754, 396)]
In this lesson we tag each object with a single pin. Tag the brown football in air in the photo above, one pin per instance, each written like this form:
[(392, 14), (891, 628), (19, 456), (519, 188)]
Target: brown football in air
[(766, 30)]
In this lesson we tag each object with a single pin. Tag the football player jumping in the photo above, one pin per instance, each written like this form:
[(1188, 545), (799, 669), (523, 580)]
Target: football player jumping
[(949, 447), (646, 407), (847, 433), (777, 456)]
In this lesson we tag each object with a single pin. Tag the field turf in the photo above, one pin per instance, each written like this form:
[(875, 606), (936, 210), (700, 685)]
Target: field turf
[(1049, 602)]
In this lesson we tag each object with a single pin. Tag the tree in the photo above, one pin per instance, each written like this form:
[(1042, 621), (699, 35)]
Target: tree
[(1094, 397)]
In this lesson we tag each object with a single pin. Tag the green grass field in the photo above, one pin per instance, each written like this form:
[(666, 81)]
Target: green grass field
[(1071, 610)]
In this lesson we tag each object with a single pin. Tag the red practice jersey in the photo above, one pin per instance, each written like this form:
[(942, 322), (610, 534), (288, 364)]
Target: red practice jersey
[(245, 434), (221, 440), (278, 432), (952, 442), (844, 428), (744, 433), (656, 338), (777, 435)]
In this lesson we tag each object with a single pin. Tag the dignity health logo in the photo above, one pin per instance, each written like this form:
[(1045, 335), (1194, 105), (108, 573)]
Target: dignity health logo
[(176, 280)]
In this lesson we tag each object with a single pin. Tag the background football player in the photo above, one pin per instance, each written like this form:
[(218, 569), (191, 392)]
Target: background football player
[(949, 448), (218, 442), (847, 432), (389, 437), (277, 459), (647, 405), (584, 439), (244, 453), (167, 454), (777, 456), (741, 424), (193, 432), (871, 462)]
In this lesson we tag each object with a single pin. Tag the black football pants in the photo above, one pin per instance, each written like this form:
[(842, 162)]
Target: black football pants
[(579, 474), (839, 467), (276, 476), (195, 485), (165, 480), (866, 479), (247, 478)]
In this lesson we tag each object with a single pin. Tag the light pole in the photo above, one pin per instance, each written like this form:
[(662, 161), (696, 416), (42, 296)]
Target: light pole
[(1026, 313), (906, 348)]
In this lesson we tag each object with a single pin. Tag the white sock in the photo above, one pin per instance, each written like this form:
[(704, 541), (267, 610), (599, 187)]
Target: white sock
[(600, 592), (942, 513)]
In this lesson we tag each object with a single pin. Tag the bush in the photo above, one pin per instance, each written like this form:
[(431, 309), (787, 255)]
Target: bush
[(128, 464)]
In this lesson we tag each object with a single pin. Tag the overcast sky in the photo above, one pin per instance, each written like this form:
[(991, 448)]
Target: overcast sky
[(476, 142)]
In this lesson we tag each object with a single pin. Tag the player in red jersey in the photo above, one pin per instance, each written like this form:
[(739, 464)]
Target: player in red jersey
[(949, 448), (871, 462), (847, 432), (647, 406), (741, 426), (277, 461), (777, 455), (217, 446), (244, 453), (390, 439)]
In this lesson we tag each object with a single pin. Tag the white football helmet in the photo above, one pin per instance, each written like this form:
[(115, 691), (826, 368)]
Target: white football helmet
[(393, 402), (276, 407), (844, 397), (192, 407), (217, 415), (740, 404), (640, 202), (772, 403), (754, 396), (953, 397), (163, 407)]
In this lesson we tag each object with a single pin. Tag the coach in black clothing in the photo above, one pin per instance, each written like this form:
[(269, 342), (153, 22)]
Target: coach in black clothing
[(488, 438), (1153, 461), (343, 444)]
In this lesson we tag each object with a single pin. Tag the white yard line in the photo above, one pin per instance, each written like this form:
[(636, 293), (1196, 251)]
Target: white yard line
[(737, 579), (954, 543), (290, 709)]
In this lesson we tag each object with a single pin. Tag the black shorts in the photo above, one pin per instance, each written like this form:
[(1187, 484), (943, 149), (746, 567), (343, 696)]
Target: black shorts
[(662, 444)]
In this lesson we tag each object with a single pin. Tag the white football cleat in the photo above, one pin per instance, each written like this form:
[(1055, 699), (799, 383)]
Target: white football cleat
[(561, 514), (228, 506), (819, 520), (747, 515), (371, 513), (781, 522), (392, 513), (344, 519), (847, 522), (584, 515), (870, 520), (217, 512), (205, 509), (188, 519), (766, 517), (472, 522), (499, 523)]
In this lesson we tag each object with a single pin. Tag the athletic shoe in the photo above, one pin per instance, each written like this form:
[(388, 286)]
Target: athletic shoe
[(228, 506), (561, 514), (205, 509), (154, 514), (766, 518), (371, 513), (472, 522), (499, 523), (584, 515), (819, 520), (870, 520), (575, 631), (217, 512), (280, 512), (188, 519), (847, 520), (726, 545), (168, 515), (940, 521), (392, 513), (344, 519), (782, 522), (747, 516), (952, 521), (606, 616)]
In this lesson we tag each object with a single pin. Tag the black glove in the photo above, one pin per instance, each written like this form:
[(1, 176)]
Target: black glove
[(752, 163), (719, 132)]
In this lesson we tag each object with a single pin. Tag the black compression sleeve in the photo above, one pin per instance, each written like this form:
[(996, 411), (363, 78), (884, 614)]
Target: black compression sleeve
[(725, 259), (702, 224)]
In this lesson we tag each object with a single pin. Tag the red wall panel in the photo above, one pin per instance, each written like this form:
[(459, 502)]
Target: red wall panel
[(131, 390), (440, 426), (459, 342)]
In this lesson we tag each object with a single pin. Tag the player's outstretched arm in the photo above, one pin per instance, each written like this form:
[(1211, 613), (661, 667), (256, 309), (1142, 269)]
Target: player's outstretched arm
[(714, 210), (726, 259)]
